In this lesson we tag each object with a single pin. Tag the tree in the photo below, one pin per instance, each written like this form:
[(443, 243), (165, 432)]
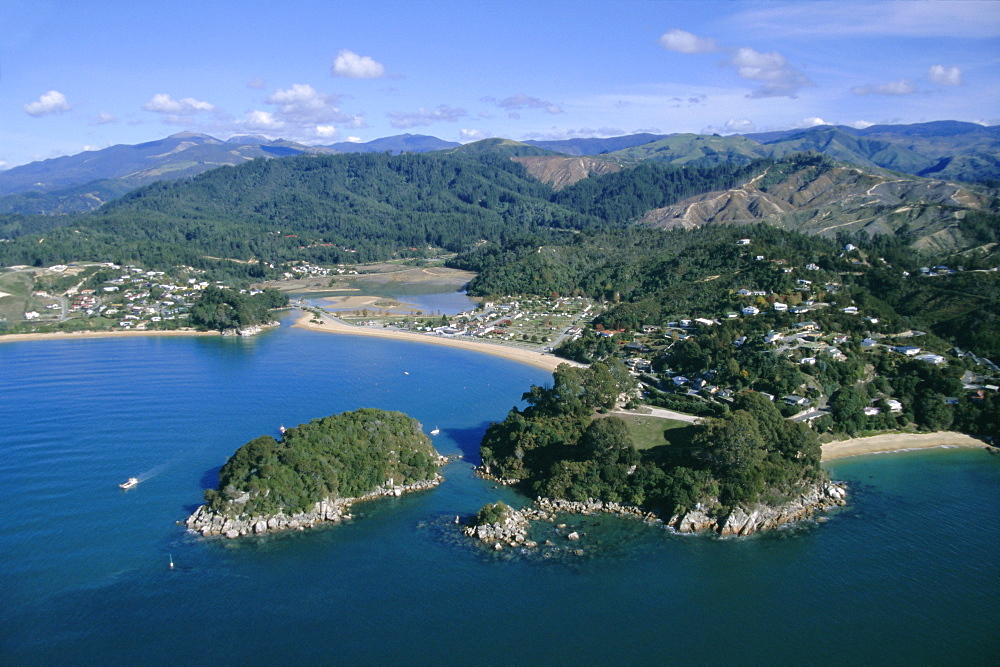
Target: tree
[(608, 441)]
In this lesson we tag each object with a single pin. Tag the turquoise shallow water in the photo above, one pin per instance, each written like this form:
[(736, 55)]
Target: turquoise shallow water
[(906, 573)]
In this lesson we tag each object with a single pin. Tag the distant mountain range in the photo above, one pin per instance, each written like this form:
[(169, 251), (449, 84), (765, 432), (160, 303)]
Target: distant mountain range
[(946, 150)]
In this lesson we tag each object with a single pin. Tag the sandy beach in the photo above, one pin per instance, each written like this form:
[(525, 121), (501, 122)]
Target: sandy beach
[(358, 303), (897, 442), (73, 335), (538, 359)]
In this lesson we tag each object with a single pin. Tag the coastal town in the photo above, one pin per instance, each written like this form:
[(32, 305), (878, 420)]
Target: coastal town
[(99, 297), (797, 344)]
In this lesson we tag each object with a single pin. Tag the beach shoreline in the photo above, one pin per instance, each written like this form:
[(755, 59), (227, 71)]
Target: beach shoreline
[(537, 359), (75, 335), (898, 442)]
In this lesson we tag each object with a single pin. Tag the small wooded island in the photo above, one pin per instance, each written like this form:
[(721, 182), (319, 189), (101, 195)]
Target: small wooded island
[(747, 470), (315, 472)]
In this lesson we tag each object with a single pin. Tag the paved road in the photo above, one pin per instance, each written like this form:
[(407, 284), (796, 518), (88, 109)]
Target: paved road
[(661, 413)]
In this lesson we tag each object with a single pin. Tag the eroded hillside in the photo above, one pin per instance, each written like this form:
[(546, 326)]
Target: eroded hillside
[(819, 197)]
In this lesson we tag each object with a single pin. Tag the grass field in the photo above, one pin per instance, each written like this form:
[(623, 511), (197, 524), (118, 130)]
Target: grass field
[(648, 432), (18, 286)]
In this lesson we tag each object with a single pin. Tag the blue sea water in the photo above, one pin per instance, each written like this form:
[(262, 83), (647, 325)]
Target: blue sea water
[(906, 574)]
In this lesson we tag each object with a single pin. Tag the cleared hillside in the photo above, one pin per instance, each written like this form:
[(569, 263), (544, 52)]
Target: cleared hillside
[(817, 196)]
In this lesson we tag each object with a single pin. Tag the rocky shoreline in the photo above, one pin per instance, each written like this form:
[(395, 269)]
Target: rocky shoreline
[(208, 523), (514, 529), (251, 330), (746, 521)]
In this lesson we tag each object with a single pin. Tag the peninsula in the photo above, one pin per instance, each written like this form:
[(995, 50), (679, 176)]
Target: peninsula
[(744, 471), (316, 472)]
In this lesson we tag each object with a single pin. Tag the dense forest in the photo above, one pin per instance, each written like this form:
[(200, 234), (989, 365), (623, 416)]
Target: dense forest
[(347, 208), (223, 309), (342, 456), (560, 446)]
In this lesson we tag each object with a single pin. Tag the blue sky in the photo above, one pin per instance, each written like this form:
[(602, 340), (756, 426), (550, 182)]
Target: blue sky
[(83, 75)]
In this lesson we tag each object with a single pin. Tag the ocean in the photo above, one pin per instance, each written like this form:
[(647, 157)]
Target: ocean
[(905, 574)]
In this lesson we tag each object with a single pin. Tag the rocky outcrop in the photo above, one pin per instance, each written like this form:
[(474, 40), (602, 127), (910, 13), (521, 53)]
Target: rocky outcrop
[(486, 472), (553, 506), (251, 330), (749, 520), (209, 523), (513, 530)]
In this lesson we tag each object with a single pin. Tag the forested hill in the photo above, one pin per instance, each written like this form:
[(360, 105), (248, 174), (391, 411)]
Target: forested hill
[(349, 208), (649, 277)]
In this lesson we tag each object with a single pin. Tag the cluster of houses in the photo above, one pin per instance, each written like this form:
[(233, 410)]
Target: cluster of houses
[(307, 270), (135, 297)]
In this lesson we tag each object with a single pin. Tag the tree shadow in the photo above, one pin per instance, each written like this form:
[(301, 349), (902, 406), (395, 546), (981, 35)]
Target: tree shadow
[(209, 480), (468, 440)]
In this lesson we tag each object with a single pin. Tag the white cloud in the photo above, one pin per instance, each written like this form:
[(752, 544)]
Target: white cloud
[(3, 164), (303, 103), (861, 124), (263, 121), (740, 125), (349, 64), (772, 70), (354, 140), (683, 41), (522, 101), (51, 102), (422, 116), (901, 87), (104, 118), (813, 121), (165, 104), (256, 82), (779, 80), (946, 76), (302, 113), (465, 135)]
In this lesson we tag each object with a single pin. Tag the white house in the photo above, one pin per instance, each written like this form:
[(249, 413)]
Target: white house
[(931, 358), (751, 310)]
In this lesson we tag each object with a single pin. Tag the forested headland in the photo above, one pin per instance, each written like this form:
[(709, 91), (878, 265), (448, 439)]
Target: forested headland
[(342, 456), (222, 309), (561, 446)]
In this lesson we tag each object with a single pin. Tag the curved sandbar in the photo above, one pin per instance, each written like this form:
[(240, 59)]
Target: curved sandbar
[(897, 442), (72, 335), (538, 359)]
